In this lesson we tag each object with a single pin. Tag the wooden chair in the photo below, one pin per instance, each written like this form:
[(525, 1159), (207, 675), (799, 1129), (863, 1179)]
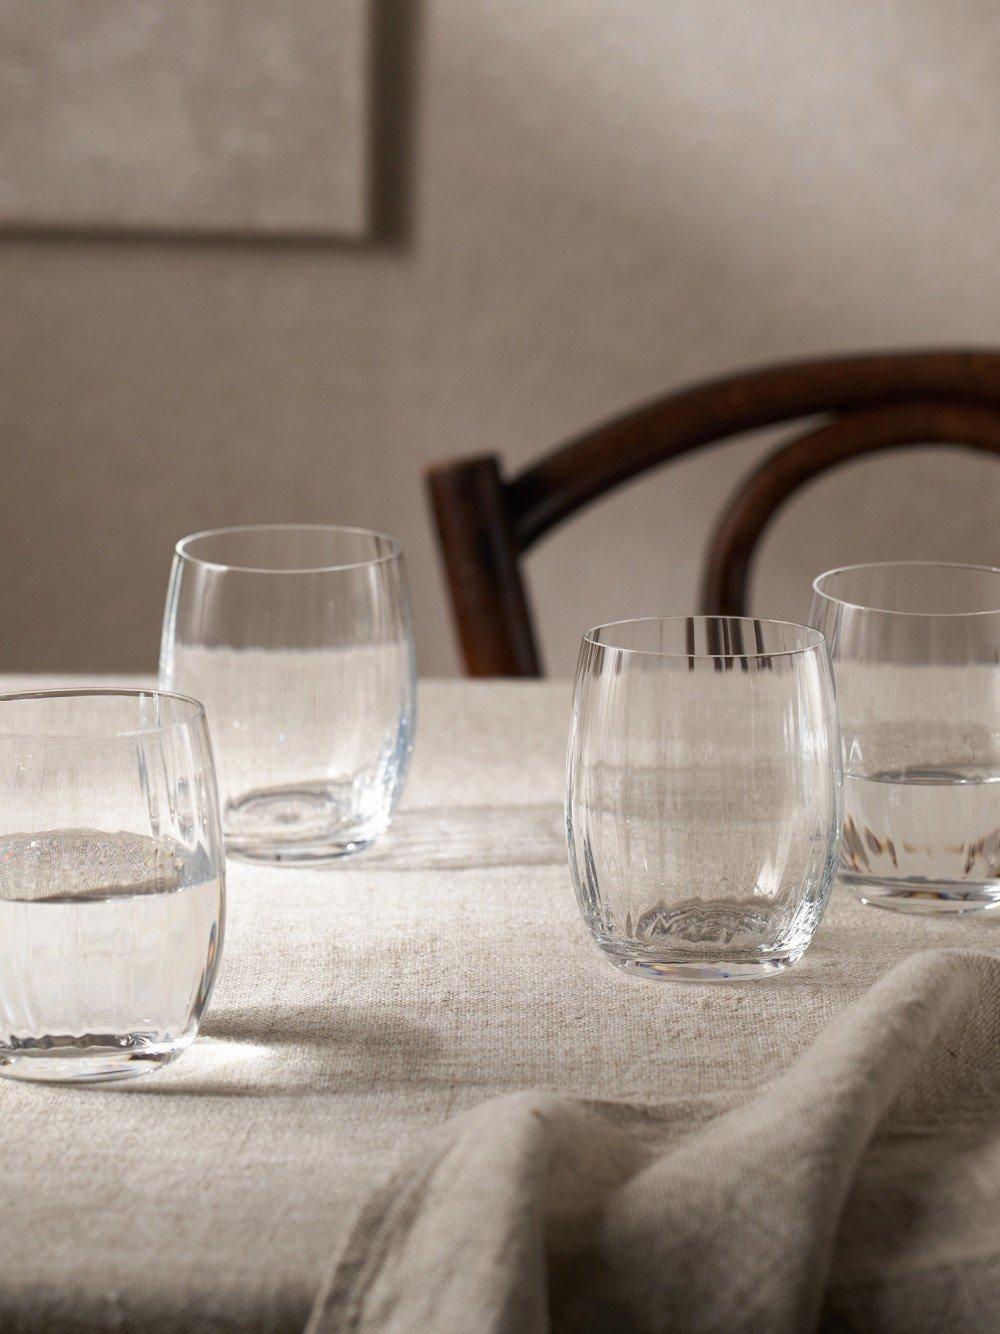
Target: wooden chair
[(885, 401)]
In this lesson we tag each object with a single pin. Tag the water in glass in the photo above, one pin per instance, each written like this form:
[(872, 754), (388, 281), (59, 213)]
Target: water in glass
[(112, 899), (110, 946), (915, 648), (926, 827)]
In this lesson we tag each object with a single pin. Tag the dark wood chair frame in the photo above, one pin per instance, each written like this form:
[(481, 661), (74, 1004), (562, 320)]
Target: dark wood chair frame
[(870, 403)]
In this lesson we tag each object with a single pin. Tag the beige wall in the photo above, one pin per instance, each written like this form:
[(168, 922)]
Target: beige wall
[(605, 200)]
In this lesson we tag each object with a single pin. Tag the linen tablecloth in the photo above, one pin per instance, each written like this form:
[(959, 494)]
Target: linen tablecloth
[(360, 1008)]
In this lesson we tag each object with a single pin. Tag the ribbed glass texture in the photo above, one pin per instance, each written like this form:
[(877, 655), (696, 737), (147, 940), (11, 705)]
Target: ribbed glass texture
[(703, 793)]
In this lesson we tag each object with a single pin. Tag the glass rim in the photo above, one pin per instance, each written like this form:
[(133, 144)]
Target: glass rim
[(818, 637), (394, 553), (99, 692), (902, 565)]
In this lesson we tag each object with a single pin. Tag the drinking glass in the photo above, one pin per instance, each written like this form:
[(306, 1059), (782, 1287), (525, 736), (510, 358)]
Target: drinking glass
[(111, 881), (297, 639), (916, 655), (703, 793)]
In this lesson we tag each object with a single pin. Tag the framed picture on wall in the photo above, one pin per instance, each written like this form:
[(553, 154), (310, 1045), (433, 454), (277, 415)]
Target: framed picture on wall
[(225, 117)]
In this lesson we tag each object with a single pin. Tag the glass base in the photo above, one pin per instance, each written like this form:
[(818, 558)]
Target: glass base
[(675, 969), (293, 854), (93, 1059), (301, 825), (925, 897)]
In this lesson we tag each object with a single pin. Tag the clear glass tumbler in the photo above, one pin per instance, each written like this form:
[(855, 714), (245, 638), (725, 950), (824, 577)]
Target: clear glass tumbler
[(916, 656), (111, 882), (297, 639), (703, 793)]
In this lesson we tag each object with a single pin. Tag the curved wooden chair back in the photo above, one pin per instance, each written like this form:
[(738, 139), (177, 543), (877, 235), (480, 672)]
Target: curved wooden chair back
[(883, 401)]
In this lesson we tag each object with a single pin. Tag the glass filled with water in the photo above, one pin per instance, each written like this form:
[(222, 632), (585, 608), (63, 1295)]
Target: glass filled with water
[(916, 654), (703, 793), (297, 639), (111, 882)]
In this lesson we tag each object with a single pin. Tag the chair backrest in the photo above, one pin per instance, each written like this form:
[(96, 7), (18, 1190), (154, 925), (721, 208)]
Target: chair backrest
[(877, 402)]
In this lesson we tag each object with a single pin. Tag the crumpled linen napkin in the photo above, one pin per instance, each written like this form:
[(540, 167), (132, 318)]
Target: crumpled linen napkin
[(858, 1190)]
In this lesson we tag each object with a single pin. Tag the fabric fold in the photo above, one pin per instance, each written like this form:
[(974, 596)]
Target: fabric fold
[(807, 1203)]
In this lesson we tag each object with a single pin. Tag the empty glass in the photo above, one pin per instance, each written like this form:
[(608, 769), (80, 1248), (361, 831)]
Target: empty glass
[(297, 639), (916, 655), (111, 881), (703, 793)]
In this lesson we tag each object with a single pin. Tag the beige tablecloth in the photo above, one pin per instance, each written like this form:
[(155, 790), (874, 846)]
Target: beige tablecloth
[(359, 1009)]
